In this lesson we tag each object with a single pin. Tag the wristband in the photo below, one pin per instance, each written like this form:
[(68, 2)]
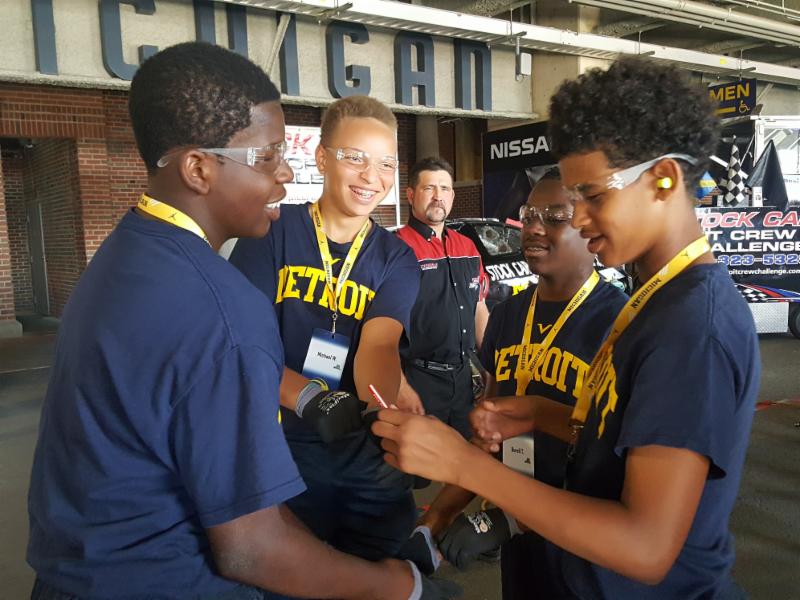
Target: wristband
[(311, 389), (416, 593)]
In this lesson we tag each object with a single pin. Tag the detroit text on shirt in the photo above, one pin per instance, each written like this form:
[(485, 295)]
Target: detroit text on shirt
[(308, 285)]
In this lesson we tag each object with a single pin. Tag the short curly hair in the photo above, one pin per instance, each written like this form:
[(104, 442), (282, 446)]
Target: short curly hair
[(354, 107), (635, 111), (194, 94)]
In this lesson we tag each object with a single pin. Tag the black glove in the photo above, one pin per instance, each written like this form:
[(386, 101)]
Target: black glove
[(471, 535), (429, 588), (368, 417), (333, 414), (421, 550)]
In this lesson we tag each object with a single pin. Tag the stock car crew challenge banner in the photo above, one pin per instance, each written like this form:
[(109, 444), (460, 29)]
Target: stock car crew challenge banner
[(760, 246), (513, 161)]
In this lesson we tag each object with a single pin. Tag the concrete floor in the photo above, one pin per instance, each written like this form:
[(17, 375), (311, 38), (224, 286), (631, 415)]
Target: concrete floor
[(766, 520)]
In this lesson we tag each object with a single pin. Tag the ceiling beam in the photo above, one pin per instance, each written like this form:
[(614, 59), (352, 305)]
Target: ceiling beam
[(789, 62), (434, 21), (628, 27), (707, 16), (727, 46), (484, 8)]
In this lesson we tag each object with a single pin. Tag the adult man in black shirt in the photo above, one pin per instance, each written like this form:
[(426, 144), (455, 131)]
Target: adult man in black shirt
[(450, 313)]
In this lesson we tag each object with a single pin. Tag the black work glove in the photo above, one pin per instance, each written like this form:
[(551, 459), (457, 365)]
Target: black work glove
[(333, 414), (430, 588), (421, 550), (471, 535)]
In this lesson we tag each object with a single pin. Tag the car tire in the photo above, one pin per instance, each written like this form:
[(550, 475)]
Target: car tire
[(794, 319)]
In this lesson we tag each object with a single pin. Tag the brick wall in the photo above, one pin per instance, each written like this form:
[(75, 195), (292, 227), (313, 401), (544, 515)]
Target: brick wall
[(305, 116), (407, 153), (68, 126), (51, 178), (6, 287), (12, 165), (469, 199), (107, 173), (123, 170)]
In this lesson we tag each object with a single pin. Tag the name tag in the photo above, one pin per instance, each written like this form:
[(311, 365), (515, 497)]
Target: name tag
[(518, 454), (327, 353)]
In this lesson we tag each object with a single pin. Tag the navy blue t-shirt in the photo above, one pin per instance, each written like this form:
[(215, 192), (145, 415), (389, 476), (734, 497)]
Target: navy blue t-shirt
[(286, 266), (160, 419), (685, 374), (562, 370)]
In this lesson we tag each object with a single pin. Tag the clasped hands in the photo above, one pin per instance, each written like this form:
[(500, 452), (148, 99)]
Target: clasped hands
[(335, 414), (424, 446)]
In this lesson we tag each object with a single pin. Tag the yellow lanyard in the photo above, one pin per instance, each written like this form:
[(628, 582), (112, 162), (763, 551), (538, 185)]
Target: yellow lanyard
[(602, 360), (327, 259), (167, 213), (528, 364)]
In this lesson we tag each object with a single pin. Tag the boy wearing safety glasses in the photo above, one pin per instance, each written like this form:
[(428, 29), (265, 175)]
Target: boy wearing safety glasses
[(660, 429), (539, 342), (343, 289), (161, 467)]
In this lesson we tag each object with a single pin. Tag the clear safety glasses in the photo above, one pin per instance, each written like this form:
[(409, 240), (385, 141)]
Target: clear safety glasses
[(551, 215), (359, 161), (587, 192), (265, 159)]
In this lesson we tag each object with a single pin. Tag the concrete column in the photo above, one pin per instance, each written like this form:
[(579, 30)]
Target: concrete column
[(549, 69), (427, 136), (469, 165)]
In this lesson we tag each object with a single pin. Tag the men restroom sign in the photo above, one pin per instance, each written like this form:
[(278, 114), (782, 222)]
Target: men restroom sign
[(734, 99)]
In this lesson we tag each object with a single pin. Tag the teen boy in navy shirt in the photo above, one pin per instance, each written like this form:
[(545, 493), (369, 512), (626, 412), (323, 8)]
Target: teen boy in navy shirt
[(161, 468), (564, 318), (659, 434)]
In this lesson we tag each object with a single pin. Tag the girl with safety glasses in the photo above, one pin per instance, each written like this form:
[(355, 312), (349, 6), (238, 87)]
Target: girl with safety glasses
[(343, 289)]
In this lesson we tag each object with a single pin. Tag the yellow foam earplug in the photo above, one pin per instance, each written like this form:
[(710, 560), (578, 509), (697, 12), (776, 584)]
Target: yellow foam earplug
[(665, 183)]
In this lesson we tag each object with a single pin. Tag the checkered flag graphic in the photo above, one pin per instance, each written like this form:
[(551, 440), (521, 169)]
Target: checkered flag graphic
[(732, 186), (751, 294)]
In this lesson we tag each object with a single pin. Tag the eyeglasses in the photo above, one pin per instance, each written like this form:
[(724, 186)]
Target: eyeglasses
[(264, 159), (551, 215), (589, 192), (360, 161)]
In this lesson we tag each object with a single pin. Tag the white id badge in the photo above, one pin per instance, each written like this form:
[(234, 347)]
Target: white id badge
[(518, 454), (327, 353)]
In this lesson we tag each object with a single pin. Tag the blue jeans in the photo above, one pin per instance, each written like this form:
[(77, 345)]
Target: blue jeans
[(42, 591), (355, 501)]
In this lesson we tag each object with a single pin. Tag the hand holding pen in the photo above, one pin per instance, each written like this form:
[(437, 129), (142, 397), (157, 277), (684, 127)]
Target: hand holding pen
[(378, 398)]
